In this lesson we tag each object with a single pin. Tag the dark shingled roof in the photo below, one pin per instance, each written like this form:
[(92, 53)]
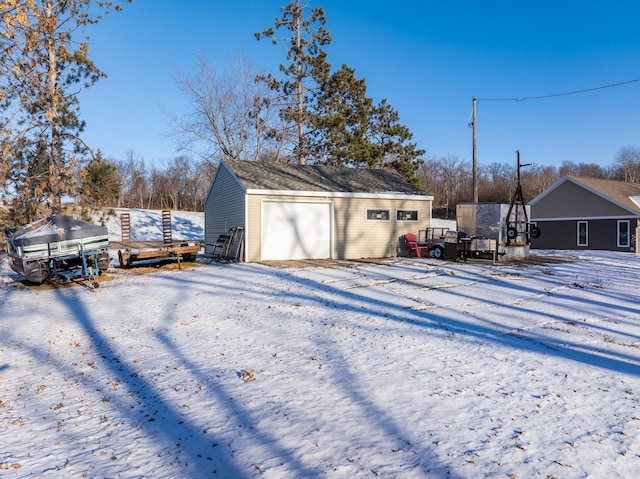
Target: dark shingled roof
[(285, 177)]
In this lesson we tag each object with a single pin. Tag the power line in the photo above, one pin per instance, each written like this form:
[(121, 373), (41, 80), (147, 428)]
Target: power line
[(575, 92)]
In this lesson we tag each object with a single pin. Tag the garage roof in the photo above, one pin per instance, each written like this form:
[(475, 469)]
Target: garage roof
[(286, 177)]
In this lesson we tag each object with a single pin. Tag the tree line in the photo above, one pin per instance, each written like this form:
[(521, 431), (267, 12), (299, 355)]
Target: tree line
[(449, 178), (183, 183)]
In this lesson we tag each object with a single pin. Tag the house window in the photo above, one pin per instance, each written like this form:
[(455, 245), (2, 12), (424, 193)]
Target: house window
[(406, 215), (623, 234), (378, 215), (583, 233)]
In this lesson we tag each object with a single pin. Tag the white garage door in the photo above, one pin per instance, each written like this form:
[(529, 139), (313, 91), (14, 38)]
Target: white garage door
[(296, 230)]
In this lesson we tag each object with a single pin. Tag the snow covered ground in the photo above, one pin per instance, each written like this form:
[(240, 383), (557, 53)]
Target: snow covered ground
[(146, 225), (409, 368)]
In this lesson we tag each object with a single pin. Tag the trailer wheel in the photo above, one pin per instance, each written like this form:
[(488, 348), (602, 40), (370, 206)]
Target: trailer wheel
[(125, 260), (512, 232), (534, 232), (103, 261), (437, 252)]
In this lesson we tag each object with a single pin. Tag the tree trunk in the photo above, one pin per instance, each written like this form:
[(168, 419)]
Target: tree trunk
[(52, 114), (300, 103)]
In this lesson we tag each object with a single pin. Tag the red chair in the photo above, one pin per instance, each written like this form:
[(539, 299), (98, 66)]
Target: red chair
[(414, 247)]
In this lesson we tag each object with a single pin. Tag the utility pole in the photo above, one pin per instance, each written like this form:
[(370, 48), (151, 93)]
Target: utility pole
[(474, 181)]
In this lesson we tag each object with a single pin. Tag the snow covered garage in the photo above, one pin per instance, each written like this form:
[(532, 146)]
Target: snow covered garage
[(313, 212)]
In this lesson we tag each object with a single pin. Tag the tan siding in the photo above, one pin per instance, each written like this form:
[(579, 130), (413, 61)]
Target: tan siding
[(354, 236), (571, 201), (224, 208), (254, 227)]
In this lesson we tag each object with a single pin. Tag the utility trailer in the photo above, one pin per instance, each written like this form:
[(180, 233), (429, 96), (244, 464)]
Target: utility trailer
[(457, 245), (59, 248), (185, 250)]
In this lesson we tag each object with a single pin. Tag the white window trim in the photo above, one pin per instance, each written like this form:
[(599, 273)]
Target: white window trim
[(366, 214), (586, 243), (628, 244), (408, 221)]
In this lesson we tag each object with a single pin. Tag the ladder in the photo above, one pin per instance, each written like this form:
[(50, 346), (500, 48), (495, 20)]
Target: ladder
[(125, 228), (166, 228)]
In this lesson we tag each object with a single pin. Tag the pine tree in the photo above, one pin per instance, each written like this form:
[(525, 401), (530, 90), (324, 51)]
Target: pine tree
[(306, 35), (355, 132), (337, 123), (340, 120), (42, 67), (100, 183), (392, 141)]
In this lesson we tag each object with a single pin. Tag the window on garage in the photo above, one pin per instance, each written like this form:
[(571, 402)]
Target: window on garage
[(583, 233), (378, 215), (406, 215), (623, 234)]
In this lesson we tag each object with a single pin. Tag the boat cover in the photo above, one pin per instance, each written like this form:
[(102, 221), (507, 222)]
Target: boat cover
[(55, 228), (58, 241)]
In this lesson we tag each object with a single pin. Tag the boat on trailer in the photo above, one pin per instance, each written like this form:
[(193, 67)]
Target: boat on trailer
[(60, 248)]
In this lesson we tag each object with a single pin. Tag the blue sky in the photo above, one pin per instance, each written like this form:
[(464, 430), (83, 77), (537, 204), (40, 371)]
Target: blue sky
[(427, 58)]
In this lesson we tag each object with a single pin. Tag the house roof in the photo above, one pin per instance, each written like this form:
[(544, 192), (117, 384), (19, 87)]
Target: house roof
[(622, 193), (313, 178)]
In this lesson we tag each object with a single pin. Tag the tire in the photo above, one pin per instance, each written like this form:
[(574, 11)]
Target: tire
[(512, 232), (103, 262), (437, 252), (125, 259), (534, 232)]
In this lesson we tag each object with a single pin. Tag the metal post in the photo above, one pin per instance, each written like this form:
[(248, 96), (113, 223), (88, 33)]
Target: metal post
[(475, 158)]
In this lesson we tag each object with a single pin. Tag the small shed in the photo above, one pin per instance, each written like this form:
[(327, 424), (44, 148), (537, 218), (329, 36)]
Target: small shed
[(587, 213), (312, 212)]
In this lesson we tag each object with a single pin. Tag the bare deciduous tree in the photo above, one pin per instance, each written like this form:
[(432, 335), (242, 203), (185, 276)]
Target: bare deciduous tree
[(536, 179), (231, 115), (182, 184), (627, 162), (448, 178)]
